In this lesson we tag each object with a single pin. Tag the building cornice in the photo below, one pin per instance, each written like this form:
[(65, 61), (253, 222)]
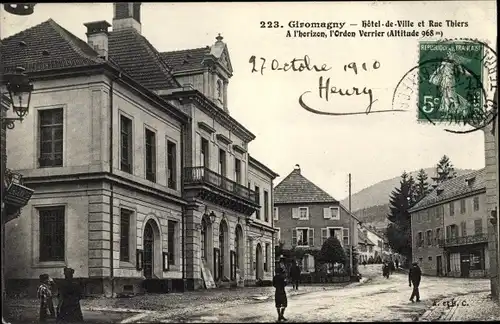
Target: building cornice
[(447, 200), (212, 110), (103, 176), (115, 74), (262, 167)]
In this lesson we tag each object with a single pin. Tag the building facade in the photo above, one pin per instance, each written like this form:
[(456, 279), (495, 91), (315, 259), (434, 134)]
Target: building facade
[(306, 216), (449, 228), (492, 196), (146, 171), (366, 248)]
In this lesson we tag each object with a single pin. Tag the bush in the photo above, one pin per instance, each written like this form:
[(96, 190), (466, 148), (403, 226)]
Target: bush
[(332, 252)]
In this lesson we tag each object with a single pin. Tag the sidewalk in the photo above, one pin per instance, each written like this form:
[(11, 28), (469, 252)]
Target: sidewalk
[(471, 307)]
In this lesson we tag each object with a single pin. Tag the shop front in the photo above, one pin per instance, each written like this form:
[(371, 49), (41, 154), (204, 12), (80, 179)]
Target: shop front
[(468, 261)]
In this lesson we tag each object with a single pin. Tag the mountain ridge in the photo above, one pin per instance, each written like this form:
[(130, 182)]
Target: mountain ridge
[(378, 193)]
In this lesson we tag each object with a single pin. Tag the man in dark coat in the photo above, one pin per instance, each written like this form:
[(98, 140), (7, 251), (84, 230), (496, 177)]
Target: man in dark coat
[(69, 310), (280, 299), (414, 277), (295, 275), (397, 264)]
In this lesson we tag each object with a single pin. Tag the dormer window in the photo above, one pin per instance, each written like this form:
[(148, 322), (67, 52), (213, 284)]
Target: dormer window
[(439, 191), (470, 181)]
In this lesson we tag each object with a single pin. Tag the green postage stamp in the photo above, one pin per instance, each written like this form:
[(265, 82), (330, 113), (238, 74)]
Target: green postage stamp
[(450, 82)]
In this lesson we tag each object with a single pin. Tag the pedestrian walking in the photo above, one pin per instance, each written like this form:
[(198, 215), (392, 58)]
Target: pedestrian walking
[(385, 270), (295, 275), (391, 267), (70, 293), (44, 294), (397, 264), (280, 299), (414, 277)]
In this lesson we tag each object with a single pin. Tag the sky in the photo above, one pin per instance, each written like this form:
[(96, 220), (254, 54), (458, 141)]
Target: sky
[(372, 147)]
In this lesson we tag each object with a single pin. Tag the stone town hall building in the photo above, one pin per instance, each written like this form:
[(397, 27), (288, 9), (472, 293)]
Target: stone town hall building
[(140, 173)]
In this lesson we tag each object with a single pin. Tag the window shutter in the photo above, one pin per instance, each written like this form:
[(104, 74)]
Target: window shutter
[(311, 237), (448, 231), (294, 237), (324, 234), (335, 214), (295, 213), (346, 234), (327, 213), (338, 235)]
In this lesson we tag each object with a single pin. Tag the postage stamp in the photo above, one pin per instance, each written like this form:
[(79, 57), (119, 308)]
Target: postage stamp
[(450, 85), (454, 83)]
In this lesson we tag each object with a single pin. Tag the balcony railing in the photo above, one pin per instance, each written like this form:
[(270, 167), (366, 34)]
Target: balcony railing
[(463, 240), (203, 175)]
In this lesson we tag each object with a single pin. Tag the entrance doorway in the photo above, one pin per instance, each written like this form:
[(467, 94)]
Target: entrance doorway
[(258, 261), (224, 250), (148, 250), (464, 265), (439, 265)]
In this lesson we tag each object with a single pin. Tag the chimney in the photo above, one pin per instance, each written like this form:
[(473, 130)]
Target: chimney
[(127, 15), (97, 37)]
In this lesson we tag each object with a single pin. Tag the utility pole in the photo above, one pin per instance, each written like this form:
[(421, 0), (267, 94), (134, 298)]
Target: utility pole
[(352, 230)]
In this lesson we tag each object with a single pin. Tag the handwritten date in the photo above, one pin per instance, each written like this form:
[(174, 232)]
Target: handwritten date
[(354, 67), (296, 65)]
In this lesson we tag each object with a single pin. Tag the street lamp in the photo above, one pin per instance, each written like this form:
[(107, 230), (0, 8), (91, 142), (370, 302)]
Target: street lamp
[(20, 9), (212, 217), (19, 87)]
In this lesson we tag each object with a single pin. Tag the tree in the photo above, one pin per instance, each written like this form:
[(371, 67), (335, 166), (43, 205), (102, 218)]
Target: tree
[(332, 252), (444, 170), (421, 186), (399, 228)]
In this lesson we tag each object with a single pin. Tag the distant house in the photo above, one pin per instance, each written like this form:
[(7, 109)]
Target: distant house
[(365, 247), (449, 228), (305, 216)]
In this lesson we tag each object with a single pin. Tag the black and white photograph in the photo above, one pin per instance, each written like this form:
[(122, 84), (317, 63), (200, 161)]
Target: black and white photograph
[(249, 162)]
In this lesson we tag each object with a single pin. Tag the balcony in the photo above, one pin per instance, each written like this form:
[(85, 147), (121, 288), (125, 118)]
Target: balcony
[(211, 186), (463, 240)]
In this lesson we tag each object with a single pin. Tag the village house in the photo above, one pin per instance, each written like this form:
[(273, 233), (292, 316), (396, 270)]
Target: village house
[(366, 249), (306, 216), (142, 178), (449, 228)]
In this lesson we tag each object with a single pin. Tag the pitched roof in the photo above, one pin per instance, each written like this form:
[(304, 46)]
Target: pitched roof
[(135, 54), (362, 238), (295, 188), (186, 60), (453, 188), (46, 46)]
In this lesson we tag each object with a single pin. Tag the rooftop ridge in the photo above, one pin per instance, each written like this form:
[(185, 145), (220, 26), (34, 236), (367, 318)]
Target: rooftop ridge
[(71, 38)]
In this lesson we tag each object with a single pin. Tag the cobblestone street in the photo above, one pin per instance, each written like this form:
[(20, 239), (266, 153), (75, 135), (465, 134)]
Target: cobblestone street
[(378, 299)]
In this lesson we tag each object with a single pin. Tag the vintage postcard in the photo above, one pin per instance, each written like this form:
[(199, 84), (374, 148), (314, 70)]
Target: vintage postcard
[(249, 162)]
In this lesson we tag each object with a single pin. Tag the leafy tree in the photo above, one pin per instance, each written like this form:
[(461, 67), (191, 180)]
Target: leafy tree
[(332, 252), (421, 186), (399, 228), (444, 170)]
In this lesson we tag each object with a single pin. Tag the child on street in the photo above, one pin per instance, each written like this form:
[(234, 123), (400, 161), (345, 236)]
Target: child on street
[(281, 302), (44, 294)]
